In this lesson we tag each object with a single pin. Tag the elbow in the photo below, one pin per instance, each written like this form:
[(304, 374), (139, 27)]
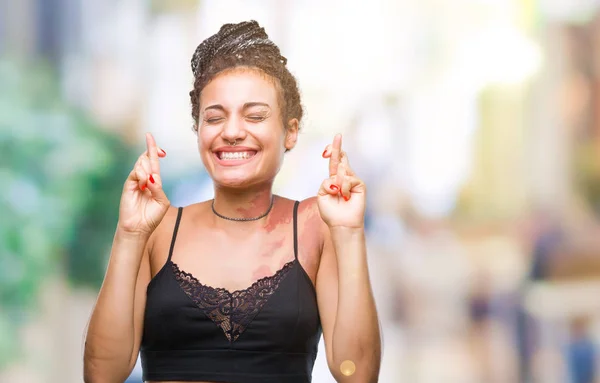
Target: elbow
[(91, 372), (364, 376), (91, 378), (103, 364), (356, 377), (96, 370), (363, 368)]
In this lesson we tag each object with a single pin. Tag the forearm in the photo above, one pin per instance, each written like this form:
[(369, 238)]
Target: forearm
[(356, 334), (110, 336)]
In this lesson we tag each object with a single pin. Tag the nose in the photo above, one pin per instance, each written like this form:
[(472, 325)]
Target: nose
[(233, 130)]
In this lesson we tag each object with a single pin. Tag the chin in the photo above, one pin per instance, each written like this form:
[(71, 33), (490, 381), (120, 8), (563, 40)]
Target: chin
[(232, 183), (241, 181), (234, 178)]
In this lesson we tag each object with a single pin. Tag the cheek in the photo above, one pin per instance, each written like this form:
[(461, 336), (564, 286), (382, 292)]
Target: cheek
[(272, 136), (204, 138), (204, 143)]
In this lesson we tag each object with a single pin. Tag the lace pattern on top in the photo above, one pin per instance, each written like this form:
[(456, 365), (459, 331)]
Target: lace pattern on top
[(231, 311)]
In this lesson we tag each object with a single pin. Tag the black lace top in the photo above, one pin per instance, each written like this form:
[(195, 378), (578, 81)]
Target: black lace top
[(267, 333)]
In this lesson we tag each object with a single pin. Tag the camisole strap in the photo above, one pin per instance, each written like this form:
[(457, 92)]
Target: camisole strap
[(179, 211), (296, 229)]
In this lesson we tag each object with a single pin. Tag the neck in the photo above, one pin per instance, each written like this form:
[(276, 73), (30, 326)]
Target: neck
[(247, 203)]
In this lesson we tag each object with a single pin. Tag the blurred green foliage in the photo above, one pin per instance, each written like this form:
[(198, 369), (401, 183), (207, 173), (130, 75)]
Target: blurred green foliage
[(60, 193)]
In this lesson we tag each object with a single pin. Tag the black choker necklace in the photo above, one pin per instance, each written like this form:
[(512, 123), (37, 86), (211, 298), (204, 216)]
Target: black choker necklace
[(243, 219)]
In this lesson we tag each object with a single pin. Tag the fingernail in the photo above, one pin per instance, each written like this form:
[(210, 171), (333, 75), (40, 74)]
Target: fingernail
[(151, 178), (143, 187), (334, 187), (324, 152), (164, 152), (346, 198)]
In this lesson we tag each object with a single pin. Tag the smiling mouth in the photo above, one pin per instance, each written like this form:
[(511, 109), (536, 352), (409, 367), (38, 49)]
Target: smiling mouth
[(232, 156)]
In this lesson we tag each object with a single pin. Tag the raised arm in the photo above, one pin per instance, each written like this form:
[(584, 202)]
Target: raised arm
[(346, 304), (114, 333)]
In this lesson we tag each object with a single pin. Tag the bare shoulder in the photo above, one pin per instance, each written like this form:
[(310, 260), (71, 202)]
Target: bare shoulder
[(309, 211), (310, 217), (308, 207), (160, 233), (161, 237), (168, 221)]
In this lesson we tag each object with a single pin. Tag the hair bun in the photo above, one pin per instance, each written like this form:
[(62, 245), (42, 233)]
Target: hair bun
[(233, 39)]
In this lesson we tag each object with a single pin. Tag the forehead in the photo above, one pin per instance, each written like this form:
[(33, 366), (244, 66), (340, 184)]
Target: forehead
[(235, 87)]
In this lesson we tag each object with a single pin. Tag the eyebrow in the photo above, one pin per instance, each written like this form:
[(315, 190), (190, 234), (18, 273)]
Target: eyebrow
[(246, 106)]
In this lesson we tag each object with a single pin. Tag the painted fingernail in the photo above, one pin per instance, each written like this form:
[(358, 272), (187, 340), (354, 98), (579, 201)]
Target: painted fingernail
[(346, 198), (151, 178), (143, 187), (334, 187), (164, 152), (324, 152)]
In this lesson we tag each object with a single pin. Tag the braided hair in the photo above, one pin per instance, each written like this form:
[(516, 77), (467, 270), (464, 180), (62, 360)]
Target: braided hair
[(244, 44)]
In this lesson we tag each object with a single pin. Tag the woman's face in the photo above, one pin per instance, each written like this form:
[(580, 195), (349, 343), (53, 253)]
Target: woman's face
[(241, 105)]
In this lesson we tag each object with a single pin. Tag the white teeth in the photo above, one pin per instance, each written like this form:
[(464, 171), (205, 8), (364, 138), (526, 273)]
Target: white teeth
[(235, 155)]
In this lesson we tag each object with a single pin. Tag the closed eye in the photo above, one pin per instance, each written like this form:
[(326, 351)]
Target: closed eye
[(256, 118)]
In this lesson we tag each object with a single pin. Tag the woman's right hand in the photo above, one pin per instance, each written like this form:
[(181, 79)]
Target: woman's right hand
[(143, 202)]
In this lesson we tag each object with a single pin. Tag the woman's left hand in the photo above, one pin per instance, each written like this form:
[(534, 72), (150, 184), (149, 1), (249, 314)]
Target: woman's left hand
[(342, 196)]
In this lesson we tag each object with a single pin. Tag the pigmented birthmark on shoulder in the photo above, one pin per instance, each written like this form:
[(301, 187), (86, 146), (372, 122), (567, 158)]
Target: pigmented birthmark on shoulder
[(280, 215), (309, 213), (308, 205), (310, 226)]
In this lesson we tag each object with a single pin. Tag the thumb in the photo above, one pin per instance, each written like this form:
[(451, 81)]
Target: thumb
[(155, 186)]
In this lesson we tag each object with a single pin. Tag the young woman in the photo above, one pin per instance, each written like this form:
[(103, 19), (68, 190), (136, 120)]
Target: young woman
[(239, 288)]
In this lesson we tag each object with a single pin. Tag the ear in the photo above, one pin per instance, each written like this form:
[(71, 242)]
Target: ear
[(291, 134)]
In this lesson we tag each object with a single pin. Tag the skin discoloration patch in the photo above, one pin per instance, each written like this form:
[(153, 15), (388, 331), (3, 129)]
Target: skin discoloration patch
[(266, 271), (311, 225), (280, 215), (261, 272), (255, 207), (274, 246)]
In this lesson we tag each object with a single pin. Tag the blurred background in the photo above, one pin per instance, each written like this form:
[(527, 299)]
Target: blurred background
[(475, 123)]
